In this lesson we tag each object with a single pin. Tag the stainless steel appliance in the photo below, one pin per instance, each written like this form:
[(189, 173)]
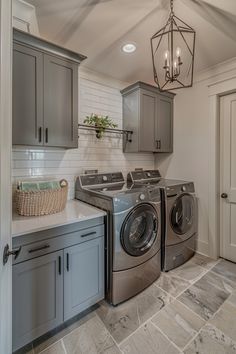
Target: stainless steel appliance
[(133, 240), (179, 216)]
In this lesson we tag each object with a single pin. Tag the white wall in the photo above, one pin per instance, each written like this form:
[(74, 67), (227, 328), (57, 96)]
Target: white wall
[(190, 160), (24, 17), (98, 94)]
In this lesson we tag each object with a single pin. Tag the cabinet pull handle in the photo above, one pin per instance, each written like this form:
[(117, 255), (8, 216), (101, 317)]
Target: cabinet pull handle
[(40, 134), (89, 234), (158, 144), (38, 248), (67, 262), (46, 135), (59, 265)]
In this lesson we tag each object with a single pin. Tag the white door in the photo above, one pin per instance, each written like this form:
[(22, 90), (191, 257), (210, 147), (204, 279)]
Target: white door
[(5, 174), (228, 177)]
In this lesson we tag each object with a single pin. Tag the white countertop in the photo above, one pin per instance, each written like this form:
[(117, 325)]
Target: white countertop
[(75, 211)]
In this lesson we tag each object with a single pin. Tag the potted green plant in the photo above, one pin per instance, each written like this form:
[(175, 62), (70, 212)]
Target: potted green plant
[(100, 122)]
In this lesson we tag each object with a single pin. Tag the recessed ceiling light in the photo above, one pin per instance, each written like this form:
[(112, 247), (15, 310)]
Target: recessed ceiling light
[(129, 48)]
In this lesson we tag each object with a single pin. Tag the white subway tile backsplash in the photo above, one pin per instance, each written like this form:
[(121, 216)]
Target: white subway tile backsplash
[(105, 155)]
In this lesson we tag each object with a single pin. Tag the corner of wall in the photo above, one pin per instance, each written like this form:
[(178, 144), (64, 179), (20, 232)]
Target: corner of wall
[(24, 17)]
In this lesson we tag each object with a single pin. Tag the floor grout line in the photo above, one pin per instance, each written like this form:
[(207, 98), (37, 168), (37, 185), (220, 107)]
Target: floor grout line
[(63, 345), (41, 352), (107, 329), (193, 312), (164, 335)]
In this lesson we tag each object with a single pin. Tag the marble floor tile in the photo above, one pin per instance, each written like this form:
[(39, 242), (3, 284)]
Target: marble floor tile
[(206, 295), (150, 301), (226, 269), (90, 338), (225, 320), (120, 321), (178, 323), (149, 340), (125, 318), (56, 348), (40, 345), (232, 298), (188, 271), (203, 261), (172, 284), (211, 340)]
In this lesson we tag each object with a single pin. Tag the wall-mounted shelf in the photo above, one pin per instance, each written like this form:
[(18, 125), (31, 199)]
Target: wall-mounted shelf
[(127, 133)]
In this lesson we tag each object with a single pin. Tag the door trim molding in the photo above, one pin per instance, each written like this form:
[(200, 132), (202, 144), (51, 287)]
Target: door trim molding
[(5, 173), (215, 92)]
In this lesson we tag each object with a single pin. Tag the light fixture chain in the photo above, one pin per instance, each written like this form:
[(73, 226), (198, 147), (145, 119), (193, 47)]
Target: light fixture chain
[(171, 6)]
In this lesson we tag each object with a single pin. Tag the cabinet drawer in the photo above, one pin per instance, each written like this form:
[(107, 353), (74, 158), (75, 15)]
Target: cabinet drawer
[(39, 248)]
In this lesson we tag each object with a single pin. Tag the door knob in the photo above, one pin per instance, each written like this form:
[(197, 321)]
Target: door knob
[(7, 253), (224, 195)]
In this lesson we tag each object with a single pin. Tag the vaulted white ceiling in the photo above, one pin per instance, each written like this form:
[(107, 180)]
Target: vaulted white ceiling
[(98, 29)]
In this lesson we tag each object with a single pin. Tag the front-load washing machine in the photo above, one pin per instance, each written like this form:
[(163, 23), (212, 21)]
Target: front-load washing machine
[(133, 237)]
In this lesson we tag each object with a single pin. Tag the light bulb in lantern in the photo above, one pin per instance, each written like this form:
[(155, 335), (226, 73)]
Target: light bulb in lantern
[(178, 52), (175, 68), (166, 56)]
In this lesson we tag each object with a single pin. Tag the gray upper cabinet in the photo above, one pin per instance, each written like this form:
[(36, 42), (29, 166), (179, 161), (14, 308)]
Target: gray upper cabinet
[(148, 112), (60, 102), (37, 297), (148, 109), (45, 93), (84, 276), (27, 96), (164, 124)]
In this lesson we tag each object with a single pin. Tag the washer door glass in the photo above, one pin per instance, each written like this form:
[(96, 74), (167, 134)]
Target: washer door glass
[(182, 214), (139, 230)]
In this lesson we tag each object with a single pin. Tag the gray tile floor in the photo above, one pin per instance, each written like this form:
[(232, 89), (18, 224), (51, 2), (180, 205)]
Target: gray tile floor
[(191, 309)]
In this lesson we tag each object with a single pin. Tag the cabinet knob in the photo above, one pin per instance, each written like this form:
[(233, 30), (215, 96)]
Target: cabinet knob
[(7, 253), (224, 195)]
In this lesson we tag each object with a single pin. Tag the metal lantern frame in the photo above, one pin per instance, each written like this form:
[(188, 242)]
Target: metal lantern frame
[(174, 25)]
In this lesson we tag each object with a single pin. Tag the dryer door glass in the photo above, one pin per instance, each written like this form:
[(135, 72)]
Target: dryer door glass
[(182, 214), (139, 230)]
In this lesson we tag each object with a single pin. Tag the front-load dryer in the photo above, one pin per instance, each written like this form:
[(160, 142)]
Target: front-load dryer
[(179, 216), (181, 223)]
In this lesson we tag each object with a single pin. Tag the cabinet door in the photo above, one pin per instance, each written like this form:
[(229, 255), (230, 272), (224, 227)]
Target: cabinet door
[(37, 297), (164, 124), (27, 96), (83, 276), (148, 114), (60, 102)]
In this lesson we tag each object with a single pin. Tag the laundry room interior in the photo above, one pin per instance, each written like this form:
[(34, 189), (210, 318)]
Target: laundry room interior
[(118, 177)]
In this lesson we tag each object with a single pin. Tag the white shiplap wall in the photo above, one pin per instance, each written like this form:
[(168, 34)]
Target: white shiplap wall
[(100, 95)]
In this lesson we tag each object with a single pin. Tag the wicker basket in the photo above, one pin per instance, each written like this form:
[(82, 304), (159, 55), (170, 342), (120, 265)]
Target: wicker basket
[(44, 202)]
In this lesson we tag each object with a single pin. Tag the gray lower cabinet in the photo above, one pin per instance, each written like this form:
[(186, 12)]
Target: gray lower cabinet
[(45, 93), (84, 276), (37, 297), (58, 274), (148, 112)]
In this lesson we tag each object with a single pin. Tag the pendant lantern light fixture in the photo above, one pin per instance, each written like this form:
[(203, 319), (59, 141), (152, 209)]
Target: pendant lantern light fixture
[(173, 54)]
